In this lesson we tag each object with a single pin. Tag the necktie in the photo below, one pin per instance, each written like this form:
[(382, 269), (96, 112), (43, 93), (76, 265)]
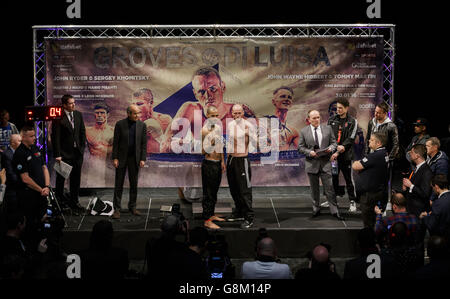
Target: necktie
[(412, 173), (71, 119), (316, 137)]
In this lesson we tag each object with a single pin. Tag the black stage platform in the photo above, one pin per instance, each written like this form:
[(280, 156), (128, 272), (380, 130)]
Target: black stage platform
[(284, 211)]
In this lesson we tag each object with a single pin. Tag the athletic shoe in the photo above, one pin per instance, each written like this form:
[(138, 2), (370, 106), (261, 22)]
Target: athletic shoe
[(246, 224), (234, 217), (352, 208), (325, 204)]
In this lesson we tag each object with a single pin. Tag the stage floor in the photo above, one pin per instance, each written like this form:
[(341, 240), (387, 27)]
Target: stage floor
[(284, 211)]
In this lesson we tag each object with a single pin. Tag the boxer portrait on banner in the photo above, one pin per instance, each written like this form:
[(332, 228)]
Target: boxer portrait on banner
[(208, 89)]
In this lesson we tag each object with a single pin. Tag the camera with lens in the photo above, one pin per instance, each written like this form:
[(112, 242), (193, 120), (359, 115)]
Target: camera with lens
[(176, 211), (54, 223), (218, 263)]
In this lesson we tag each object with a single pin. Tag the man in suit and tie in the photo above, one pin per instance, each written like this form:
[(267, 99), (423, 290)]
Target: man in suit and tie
[(417, 187), (438, 220), (129, 152), (69, 140), (317, 143)]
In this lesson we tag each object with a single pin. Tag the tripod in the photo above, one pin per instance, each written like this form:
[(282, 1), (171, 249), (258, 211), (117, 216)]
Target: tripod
[(52, 201)]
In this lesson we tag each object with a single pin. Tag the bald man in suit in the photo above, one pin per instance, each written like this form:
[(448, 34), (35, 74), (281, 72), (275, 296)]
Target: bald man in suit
[(317, 143), (129, 152)]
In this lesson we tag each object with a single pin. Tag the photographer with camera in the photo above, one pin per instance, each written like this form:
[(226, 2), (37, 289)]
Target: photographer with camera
[(218, 262), (320, 266), (102, 260), (166, 256)]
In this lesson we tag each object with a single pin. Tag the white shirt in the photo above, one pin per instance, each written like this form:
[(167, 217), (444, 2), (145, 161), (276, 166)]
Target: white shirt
[(319, 134), (70, 117), (415, 170), (443, 193)]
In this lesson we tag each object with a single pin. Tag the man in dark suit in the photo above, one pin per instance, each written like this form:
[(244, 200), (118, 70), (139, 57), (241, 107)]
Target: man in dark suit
[(69, 140), (11, 204), (438, 220), (417, 187), (317, 142), (129, 152)]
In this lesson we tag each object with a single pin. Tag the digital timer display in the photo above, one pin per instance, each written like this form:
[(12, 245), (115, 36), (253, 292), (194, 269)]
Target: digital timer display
[(43, 113)]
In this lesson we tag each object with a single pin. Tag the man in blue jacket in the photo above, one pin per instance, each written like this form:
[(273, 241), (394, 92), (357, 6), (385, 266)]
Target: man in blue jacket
[(437, 159)]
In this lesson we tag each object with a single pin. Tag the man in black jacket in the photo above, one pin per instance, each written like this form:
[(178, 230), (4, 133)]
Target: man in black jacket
[(69, 140), (344, 128), (129, 152), (417, 187)]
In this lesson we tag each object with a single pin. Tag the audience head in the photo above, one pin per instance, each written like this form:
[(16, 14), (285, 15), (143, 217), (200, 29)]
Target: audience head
[(398, 235), (266, 247), (418, 153), (420, 126), (439, 183), (377, 140), (320, 258), (433, 144), (102, 235), (398, 202), (15, 140), (4, 116)]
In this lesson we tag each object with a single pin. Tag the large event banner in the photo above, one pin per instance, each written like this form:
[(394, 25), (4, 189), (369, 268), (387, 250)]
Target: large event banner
[(174, 80)]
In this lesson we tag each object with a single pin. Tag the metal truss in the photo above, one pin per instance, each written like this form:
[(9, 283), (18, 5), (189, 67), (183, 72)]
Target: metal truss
[(41, 33)]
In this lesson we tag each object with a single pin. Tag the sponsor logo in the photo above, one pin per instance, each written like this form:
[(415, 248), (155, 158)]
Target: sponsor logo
[(363, 65), (366, 106), (366, 46), (71, 47)]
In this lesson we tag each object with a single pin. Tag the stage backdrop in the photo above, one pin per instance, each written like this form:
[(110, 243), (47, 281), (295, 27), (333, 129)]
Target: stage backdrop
[(106, 75)]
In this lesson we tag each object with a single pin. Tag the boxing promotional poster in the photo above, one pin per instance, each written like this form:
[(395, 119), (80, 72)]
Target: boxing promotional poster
[(173, 81)]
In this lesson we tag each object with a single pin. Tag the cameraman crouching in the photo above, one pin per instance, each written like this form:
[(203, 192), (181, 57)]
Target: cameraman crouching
[(33, 184)]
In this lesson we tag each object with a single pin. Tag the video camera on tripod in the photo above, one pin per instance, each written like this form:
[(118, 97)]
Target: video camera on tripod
[(55, 220)]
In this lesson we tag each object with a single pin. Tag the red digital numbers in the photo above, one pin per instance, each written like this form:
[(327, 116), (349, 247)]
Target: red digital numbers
[(55, 111)]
